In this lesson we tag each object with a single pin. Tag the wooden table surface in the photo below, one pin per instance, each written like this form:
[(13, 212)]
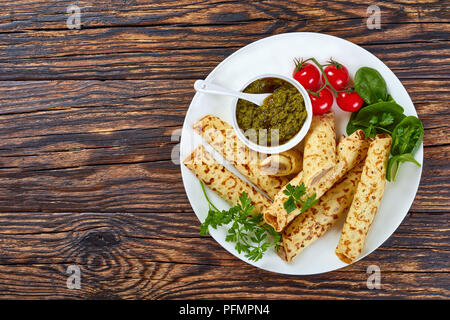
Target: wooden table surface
[(86, 120)]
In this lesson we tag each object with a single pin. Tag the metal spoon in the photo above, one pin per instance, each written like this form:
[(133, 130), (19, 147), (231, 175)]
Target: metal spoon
[(206, 87)]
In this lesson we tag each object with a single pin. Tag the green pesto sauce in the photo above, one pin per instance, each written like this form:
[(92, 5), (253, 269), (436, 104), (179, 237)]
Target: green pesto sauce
[(284, 111)]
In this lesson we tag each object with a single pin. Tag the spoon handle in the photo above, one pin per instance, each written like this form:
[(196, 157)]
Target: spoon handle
[(207, 87)]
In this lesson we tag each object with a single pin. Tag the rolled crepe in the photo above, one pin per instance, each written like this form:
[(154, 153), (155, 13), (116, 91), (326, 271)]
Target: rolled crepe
[(226, 184), (313, 223), (221, 136), (351, 150), (282, 164), (366, 200), (319, 154)]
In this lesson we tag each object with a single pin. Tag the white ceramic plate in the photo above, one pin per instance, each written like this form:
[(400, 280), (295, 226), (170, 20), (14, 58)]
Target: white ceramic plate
[(275, 55)]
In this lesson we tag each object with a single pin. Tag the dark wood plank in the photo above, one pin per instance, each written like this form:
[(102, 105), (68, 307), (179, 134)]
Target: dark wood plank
[(180, 52), (147, 256), (25, 15), (147, 280), (186, 40), (24, 234)]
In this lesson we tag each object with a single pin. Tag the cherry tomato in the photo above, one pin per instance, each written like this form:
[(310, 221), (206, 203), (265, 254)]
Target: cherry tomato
[(308, 75), (323, 102), (349, 101), (337, 75)]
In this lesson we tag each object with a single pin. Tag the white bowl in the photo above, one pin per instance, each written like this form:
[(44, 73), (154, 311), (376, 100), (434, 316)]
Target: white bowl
[(294, 140)]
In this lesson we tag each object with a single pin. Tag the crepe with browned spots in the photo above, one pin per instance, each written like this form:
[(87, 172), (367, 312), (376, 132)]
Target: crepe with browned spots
[(367, 198), (313, 223), (221, 136), (319, 155), (283, 164), (350, 151)]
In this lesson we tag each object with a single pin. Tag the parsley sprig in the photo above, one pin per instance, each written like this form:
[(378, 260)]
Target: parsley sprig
[(252, 236), (297, 199)]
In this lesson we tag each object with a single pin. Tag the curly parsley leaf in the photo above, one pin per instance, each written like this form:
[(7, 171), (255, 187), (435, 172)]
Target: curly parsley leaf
[(247, 230), (290, 205)]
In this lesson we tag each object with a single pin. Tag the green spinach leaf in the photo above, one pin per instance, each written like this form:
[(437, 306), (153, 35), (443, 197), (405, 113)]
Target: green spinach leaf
[(370, 85), (406, 139), (350, 126), (381, 117), (407, 136)]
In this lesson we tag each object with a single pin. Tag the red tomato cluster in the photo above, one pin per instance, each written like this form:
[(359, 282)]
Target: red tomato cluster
[(334, 79)]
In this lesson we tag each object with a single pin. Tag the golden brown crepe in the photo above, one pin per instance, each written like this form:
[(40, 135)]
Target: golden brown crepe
[(221, 136), (351, 150), (226, 184), (282, 164), (313, 223), (319, 155), (366, 200)]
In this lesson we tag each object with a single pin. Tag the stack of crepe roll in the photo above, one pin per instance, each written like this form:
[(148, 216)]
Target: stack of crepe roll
[(347, 178)]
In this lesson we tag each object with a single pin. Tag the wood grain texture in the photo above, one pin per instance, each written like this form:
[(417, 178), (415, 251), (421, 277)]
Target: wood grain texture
[(179, 40), (88, 124)]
